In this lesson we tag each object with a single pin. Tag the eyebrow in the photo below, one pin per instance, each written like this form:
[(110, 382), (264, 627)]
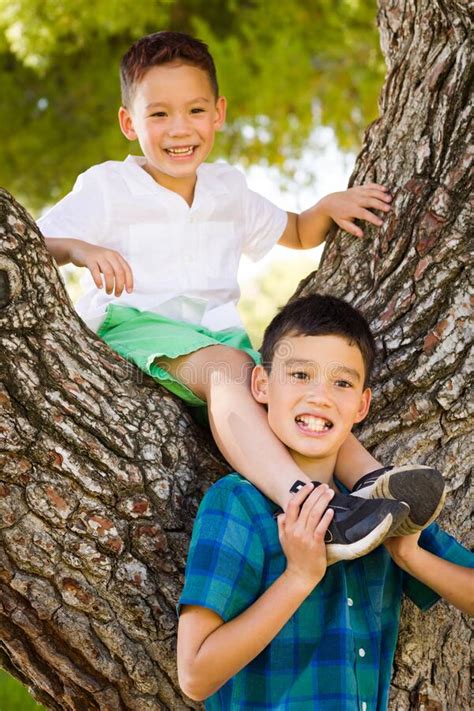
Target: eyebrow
[(193, 101), (342, 369)]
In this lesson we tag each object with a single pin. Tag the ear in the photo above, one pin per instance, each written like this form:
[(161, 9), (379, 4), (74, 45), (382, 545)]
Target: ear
[(259, 384), (221, 109), (126, 124), (364, 406)]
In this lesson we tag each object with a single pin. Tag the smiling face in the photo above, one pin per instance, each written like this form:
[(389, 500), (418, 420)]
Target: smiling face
[(174, 115), (314, 394)]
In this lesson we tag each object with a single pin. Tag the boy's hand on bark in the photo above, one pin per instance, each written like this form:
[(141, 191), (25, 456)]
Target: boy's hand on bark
[(301, 531), (354, 203), (107, 266)]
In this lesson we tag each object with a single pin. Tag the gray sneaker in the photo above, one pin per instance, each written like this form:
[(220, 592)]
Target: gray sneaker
[(419, 486), (359, 525)]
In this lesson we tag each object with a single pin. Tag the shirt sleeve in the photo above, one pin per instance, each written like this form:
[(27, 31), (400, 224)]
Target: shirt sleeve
[(80, 214), (225, 560), (264, 224), (440, 543)]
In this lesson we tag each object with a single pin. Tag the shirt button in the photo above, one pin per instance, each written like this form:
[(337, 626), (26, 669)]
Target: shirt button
[(364, 706), (350, 601), (361, 652)]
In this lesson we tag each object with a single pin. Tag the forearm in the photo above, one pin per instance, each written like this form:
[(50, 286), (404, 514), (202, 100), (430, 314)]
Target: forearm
[(234, 644), (60, 249), (454, 583), (353, 461)]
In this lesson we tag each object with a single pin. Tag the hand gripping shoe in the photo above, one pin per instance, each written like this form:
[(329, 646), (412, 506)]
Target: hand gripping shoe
[(421, 487), (358, 525)]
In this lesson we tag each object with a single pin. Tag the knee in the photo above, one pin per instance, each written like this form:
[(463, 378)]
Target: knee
[(229, 366)]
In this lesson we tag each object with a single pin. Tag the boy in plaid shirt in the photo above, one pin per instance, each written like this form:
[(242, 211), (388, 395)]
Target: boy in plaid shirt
[(264, 622)]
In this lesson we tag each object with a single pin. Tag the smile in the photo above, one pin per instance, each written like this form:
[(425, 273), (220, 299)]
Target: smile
[(310, 423), (181, 151)]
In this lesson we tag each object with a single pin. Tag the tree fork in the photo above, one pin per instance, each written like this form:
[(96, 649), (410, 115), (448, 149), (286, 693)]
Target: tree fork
[(102, 470)]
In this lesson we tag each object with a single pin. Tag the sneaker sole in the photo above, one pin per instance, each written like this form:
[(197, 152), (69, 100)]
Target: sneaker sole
[(338, 551), (402, 484)]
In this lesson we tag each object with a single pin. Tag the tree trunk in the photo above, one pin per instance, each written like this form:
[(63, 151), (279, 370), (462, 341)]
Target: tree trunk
[(411, 279), (102, 471), (101, 474)]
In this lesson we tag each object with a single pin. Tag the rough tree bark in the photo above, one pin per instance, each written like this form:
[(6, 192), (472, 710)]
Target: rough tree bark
[(101, 471), (412, 279)]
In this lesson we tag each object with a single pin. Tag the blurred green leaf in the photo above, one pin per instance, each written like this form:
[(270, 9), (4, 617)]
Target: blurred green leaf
[(14, 696), (285, 67), (263, 295)]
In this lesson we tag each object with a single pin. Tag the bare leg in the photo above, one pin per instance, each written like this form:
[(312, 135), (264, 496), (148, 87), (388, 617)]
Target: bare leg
[(353, 461), (220, 375)]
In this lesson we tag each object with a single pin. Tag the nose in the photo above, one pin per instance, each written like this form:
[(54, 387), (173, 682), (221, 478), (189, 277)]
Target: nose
[(318, 394), (179, 126)]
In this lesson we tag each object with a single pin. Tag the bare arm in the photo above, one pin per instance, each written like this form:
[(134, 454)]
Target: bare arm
[(99, 260), (211, 651), (454, 583), (309, 229)]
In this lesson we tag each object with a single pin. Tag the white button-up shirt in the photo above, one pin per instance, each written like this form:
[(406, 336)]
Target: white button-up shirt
[(184, 259)]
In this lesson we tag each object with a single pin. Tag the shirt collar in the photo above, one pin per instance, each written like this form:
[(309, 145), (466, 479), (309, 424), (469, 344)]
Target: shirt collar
[(140, 182), (208, 182)]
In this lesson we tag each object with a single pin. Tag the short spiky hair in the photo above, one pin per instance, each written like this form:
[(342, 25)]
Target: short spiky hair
[(163, 48), (319, 315)]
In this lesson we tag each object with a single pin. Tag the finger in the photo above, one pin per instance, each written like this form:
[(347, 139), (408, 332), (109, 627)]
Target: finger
[(281, 525), (128, 274), (95, 272), (368, 216), (119, 274), (385, 197), (293, 508), (318, 510), (375, 204), (323, 525), (319, 494), (108, 272), (350, 227)]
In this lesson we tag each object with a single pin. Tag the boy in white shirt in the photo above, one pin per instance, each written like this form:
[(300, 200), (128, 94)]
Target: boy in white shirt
[(164, 234)]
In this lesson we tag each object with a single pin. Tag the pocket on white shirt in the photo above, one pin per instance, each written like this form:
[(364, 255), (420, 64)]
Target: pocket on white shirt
[(220, 251), (153, 252)]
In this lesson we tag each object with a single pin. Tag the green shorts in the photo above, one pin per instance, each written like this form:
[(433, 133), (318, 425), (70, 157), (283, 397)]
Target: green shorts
[(143, 336)]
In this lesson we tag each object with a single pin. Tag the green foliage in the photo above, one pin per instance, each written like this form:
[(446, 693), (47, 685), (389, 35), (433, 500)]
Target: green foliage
[(284, 66), (14, 696)]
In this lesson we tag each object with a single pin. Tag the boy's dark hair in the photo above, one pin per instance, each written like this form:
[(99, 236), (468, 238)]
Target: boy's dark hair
[(319, 315), (162, 48)]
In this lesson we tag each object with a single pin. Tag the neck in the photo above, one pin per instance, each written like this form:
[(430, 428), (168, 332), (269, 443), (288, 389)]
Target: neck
[(317, 469), (182, 186)]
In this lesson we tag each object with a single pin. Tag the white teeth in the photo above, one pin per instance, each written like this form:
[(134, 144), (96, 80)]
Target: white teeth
[(314, 424), (181, 151)]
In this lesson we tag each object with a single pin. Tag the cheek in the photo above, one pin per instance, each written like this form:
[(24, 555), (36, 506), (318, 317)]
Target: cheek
[(346, 402)]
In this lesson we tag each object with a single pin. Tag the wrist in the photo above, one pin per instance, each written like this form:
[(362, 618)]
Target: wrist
[(405, 554), (71, 249), (298, 583), (322, 207)]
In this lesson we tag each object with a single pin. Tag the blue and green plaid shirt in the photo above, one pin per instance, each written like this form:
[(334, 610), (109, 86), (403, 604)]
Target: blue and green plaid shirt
[(336, 651)]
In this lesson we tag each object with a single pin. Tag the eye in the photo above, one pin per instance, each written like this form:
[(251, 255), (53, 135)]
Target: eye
[(343, 384), (159, 114), (299, 375), (197, 110)]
